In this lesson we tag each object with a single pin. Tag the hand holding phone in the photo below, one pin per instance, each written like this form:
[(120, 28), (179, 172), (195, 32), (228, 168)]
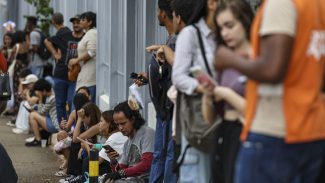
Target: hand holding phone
[(139, 78), (202, 77), (108, 148)]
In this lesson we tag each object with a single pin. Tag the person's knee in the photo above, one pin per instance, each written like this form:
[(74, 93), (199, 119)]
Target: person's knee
[(32, 116)]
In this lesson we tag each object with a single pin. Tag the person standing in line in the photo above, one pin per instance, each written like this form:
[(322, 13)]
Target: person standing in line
[(34, 34), (63, 47), (233, 19), (285, 110), (159, 75), (196, 164), (87, 54)]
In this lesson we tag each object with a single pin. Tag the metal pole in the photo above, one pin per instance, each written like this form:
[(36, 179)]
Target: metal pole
[(93, 166)]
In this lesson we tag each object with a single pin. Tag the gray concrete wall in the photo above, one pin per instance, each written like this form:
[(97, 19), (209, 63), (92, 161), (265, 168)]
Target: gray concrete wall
[(125, 28)]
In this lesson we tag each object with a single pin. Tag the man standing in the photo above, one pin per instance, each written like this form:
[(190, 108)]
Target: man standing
[(36, 66), (159, 83), (284, 128), (63, 47)]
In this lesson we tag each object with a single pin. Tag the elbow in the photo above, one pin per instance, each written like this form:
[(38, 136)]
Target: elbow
[(273, 77), (75, 140)]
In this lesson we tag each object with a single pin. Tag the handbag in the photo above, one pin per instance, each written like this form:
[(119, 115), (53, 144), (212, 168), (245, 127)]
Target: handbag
[(5, 92), (73, 72), (199, 133)]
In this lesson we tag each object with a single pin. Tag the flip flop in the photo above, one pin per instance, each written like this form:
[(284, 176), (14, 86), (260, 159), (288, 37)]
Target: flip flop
[(60, 173), (62, 167)]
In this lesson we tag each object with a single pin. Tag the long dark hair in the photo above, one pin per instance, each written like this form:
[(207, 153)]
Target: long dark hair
[(108, 117), (190, 11), (11, 35), (241, 10), (200, 10), (92, 111), (132, 115)]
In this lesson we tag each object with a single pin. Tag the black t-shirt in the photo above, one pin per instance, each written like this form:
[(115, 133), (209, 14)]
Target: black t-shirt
[(68, 45)]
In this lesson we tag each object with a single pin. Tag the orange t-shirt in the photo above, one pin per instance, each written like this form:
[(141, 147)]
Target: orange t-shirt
[(303, 105)]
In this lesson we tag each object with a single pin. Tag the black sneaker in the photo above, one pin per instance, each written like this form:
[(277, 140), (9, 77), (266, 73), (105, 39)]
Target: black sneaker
[(33, 143)]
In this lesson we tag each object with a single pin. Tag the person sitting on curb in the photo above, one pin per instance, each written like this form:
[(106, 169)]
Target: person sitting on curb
[(47, 118), (135, 161), (29, 101)]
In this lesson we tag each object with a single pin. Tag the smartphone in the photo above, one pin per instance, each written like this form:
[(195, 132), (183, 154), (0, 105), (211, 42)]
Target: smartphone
[(202, 76), (108, 148), (136, 76)]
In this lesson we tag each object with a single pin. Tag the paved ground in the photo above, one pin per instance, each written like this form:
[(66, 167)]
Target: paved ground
[(33, 164)]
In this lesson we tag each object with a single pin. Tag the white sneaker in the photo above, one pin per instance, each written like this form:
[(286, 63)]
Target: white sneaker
[(11, 123), (30, 139), (20, 131)]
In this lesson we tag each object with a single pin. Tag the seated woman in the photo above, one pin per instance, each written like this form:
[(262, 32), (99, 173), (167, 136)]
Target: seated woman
[(70, 124), (133, 165), (73, 164), (46, 119), (86, 127), (115, 140)]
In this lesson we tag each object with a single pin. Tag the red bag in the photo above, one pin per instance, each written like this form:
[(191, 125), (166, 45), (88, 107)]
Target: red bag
[(3, 63)]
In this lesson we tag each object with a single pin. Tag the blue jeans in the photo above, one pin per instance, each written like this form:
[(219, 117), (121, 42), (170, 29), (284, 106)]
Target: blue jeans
[(196, 165), (162, 164), (37, 70), (64, 92), (92, 90), (270, 160)]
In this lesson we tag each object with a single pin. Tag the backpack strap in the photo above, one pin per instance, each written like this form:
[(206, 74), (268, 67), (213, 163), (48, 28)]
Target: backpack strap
[(203, 50)]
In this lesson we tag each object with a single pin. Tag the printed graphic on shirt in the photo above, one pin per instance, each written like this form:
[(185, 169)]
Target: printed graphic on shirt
[(316, 46), (134, 155), (72, 51)]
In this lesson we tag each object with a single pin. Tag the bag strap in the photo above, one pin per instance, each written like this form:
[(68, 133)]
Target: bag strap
[(203, 50), (17, 50), (180, 162)]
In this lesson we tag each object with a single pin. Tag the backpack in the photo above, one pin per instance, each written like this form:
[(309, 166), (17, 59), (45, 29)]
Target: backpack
[(42, 51)]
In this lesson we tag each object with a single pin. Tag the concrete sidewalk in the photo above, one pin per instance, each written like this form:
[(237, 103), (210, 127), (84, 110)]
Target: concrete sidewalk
[(32, 164)]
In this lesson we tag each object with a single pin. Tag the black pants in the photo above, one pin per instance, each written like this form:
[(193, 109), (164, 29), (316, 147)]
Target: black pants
[(224, 157), (74, 164), (7, 170), (321, 176)]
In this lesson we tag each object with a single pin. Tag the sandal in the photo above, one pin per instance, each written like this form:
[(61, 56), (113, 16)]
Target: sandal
[(63, 165), (60, 173)]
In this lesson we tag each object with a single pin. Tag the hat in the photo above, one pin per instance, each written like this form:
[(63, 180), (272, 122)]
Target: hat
[(32, 78), (76, 17)]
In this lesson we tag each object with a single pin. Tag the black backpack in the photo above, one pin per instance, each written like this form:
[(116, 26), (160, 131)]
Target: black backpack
[(42, 51)]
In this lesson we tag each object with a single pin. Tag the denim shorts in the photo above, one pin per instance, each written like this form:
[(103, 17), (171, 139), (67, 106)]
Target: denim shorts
[(50, 127)]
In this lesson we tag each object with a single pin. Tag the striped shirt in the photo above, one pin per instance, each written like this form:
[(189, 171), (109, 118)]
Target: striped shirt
[(49, 108)]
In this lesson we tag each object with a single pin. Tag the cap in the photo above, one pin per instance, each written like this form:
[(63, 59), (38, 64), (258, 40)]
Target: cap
[(76, 17), (32, 78)]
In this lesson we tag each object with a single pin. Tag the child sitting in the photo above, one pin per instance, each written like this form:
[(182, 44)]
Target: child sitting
[(64, 141)]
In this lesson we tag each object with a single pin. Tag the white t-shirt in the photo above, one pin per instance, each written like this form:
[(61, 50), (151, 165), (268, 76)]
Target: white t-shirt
[(35, 39), (116, 141)]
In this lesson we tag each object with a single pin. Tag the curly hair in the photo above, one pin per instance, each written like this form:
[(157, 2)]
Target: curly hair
[(132, 115)]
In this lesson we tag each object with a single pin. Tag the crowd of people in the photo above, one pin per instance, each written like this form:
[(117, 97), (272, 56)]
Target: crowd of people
[(238, 94)]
